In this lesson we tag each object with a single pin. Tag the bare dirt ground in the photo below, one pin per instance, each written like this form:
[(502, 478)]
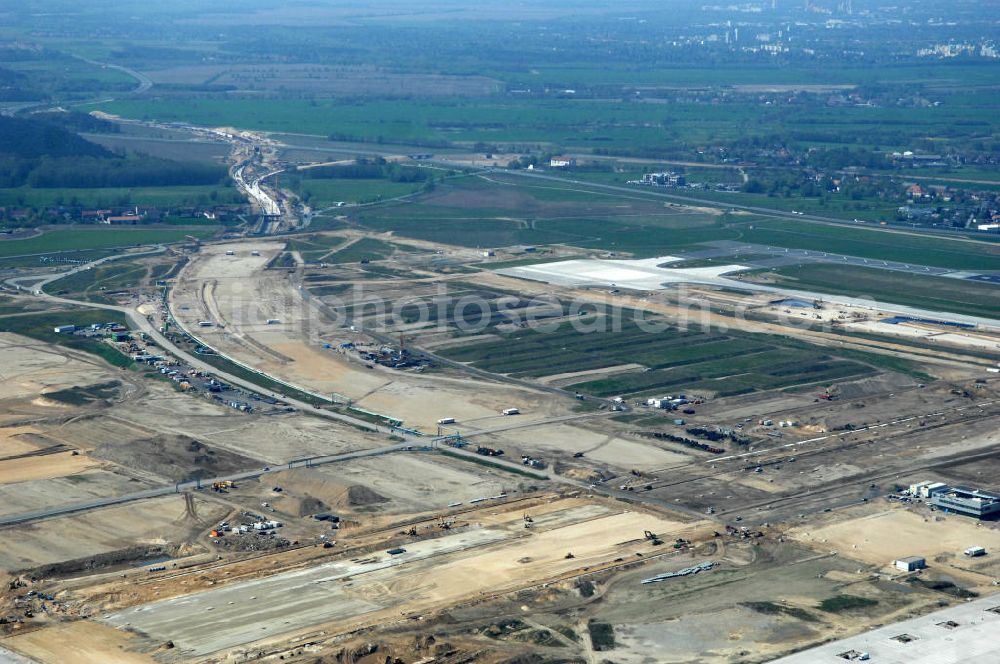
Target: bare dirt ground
[(29, 368), (469, 565), (491, 557), (44, 467), (238, 296), (394, 484), (879, 535), (158, 521), (17, 440), (82, 642), (28, 496), (262, 438), (603, 447), (931, 334)]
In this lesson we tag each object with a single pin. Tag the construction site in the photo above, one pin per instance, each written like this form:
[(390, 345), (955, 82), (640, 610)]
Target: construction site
[(349, 446)]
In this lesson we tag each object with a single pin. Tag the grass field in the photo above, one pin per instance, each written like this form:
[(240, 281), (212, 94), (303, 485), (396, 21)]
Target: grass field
[(65, 259), (315, 247), (326, 192), (117, 196), (73, 239), (40, 326), (676, 360), (878, 244), (90, 284), (480, 213), (835, 206), (641, 237), (934, 293), (576, 123), (326, 249), (364, 249)]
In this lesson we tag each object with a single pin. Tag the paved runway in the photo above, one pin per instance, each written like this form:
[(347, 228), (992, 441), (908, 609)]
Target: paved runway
[(233, 615)]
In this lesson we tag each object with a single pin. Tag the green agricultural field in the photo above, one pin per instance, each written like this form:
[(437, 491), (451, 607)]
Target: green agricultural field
[(98, 238), (326, 192), (118, 196), (770, 370), (197, 221), (56, 260), (639, 237), (836, 206), (327, 249), (468, 232), (476, 213), (891, 245), (581, 124), (90, 284), (10, 306), (364, 249), (315, 247), (675, 360), (934, 293)]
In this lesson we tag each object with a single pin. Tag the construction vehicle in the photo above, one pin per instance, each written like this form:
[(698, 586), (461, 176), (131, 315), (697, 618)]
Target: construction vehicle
[(223, 486), (653, 539)]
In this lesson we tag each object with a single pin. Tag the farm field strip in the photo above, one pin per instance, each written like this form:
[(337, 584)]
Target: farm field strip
[(691, 360)]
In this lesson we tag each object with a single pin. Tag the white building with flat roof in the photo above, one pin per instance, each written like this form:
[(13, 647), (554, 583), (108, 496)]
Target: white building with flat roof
[(910, 564)]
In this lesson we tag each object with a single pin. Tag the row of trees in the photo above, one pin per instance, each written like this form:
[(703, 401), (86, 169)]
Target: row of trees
[(45, 154), (94, 172)]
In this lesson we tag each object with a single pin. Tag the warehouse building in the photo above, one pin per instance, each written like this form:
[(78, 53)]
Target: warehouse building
[(910, 564), (927, 489), (968, 502)]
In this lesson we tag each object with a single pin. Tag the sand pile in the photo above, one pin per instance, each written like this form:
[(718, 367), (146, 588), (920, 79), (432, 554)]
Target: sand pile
[(308, 491)]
